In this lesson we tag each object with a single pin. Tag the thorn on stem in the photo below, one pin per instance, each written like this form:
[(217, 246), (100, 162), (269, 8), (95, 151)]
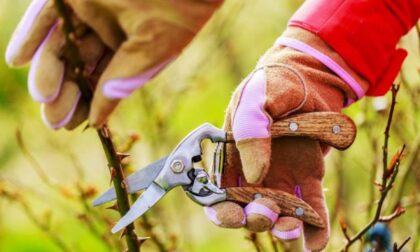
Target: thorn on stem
[(123, 155), (114, 207), (123, 184), (123, 233), (113, 174), (141, 240)]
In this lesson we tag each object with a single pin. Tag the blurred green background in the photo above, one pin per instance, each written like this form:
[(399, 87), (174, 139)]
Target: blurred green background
[(53, 214)]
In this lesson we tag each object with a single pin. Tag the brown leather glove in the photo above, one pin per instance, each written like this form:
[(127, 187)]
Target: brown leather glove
[(126, 44), (285, 81)]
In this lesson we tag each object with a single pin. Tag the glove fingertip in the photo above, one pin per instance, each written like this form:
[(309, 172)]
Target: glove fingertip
[(226, 214), (22, 46), (54, 118), (255, 157), (212, 215), (39, 92)]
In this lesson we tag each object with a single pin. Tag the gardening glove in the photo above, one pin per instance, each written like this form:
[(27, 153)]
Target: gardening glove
[(285, 81), (124, 44)]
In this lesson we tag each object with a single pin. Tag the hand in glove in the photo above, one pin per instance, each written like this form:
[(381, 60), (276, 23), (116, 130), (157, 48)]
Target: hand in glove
[(285, 81), (126, 43)]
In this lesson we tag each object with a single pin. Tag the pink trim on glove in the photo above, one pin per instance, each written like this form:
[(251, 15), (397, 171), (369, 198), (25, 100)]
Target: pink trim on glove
[(250, 120), (243, 222), (212, 215), (286, 235), (298, 192), (66, 119), (239, 181), (123, 87), (327, 61), (256, 208), (32, 87), (23, 29)]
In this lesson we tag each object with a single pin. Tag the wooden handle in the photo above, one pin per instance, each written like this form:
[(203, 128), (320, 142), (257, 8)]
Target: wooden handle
[(289, 205), (332, 128)]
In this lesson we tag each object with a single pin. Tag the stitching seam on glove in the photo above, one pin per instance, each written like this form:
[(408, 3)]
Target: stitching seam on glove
[(254, 108), (327, 61), (302, 81)]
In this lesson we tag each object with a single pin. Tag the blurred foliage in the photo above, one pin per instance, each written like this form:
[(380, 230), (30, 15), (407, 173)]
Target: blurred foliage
[(194, 89)]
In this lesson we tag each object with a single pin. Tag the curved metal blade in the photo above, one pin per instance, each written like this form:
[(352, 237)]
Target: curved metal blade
[(137, 181), (148, 199)]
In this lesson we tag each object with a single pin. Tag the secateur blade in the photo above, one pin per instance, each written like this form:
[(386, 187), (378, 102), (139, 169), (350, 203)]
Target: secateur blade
[(137, 181), (148, 199)]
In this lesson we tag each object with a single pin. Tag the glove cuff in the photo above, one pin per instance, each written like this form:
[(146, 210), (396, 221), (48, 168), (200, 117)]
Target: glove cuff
[(309, 43)]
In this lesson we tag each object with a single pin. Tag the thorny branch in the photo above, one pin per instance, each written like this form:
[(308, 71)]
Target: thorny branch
[(389, 175), (75, 62)]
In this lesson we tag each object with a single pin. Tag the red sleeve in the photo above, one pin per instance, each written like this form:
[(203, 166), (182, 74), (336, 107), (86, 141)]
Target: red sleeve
[(364, 32)]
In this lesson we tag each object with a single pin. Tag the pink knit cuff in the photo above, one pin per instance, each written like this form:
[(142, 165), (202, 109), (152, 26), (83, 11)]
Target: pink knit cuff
[(255, 208), (327, 61), (286, 235)]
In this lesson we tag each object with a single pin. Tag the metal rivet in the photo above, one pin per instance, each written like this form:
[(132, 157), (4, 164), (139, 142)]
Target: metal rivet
[(257, 196), (177, 166), (293, 126), (336, 129), (299, 211)]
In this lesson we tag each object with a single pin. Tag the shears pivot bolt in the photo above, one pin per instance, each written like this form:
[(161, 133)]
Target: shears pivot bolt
[(177, 166)]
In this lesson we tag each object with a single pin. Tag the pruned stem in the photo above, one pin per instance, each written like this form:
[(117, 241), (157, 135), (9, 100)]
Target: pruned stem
[(73, 58)]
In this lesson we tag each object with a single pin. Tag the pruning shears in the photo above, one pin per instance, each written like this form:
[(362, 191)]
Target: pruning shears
[(179, 169)]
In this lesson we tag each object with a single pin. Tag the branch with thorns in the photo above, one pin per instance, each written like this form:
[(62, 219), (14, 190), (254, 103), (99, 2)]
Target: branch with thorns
[(389, 174)]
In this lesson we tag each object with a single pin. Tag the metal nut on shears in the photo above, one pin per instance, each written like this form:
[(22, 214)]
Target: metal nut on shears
[(177, 166)]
